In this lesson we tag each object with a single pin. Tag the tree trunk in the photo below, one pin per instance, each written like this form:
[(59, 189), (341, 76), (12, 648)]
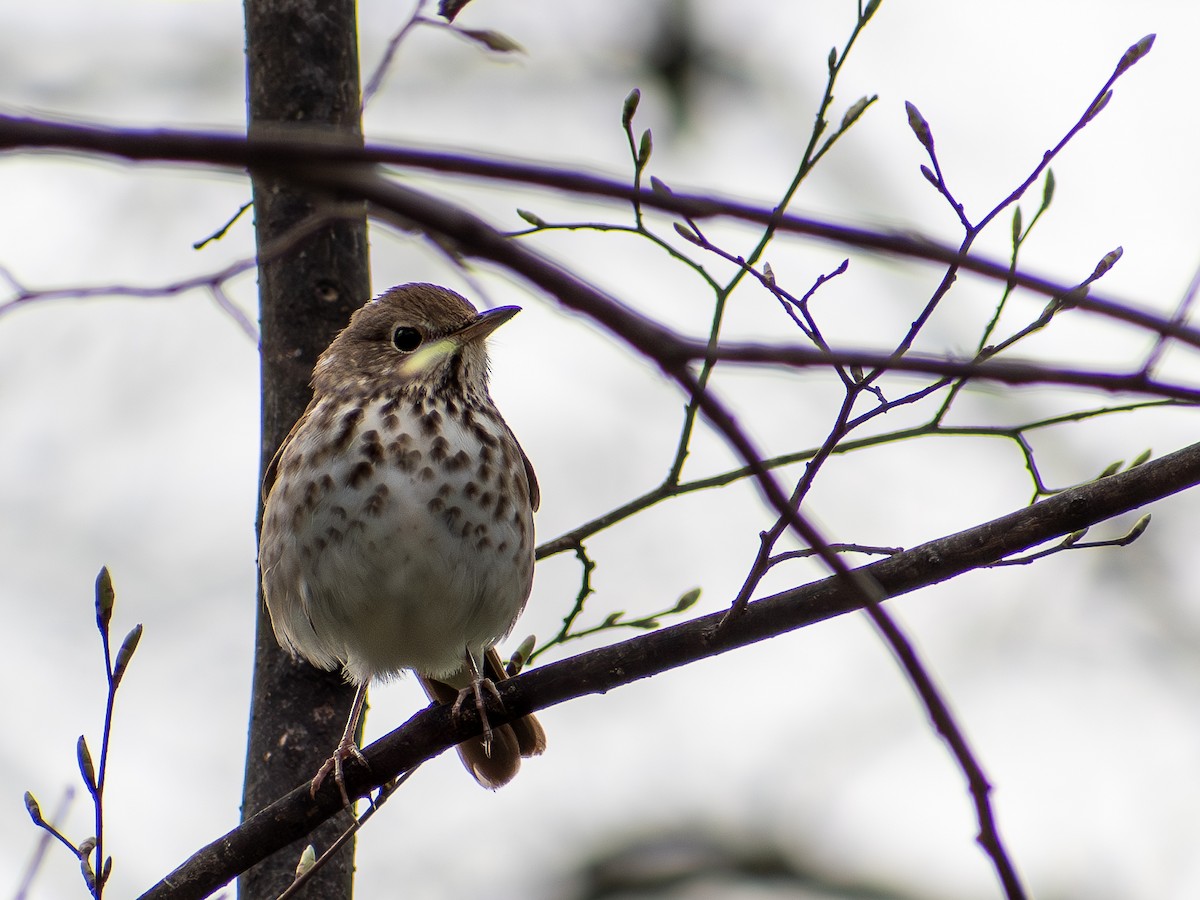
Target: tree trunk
[(302, 64)]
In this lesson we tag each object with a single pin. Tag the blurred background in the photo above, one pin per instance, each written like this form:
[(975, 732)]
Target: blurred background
[(802, 767)]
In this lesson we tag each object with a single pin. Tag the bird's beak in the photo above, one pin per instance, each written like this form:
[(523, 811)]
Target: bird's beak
[(484, 324)]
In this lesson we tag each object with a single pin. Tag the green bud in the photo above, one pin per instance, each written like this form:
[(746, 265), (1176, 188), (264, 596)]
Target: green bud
[(86, 769), (1101, 102), (1135, 53), (1074, 538), (126, 653), (105, 598), (687, 234), (919, 126), (520, 657), (35, 811), (1138, 529), (85, 863), (1048, 190), (630, 107), (855, 110), (522, 653), (1106, 262), (688, 600), (644, 148), (492, 40), (308, 859), (532, 218)]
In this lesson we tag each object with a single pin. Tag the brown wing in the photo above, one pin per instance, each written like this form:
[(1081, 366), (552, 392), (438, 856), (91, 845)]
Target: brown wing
[(272, 469), (535, 492)]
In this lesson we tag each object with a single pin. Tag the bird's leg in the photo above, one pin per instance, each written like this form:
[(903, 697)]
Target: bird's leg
[(478, 685), (346, 748)]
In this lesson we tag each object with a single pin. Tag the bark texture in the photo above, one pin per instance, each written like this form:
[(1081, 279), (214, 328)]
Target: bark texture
[(302, 77)]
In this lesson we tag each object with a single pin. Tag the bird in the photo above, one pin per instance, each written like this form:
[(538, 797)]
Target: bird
[(397, 530)]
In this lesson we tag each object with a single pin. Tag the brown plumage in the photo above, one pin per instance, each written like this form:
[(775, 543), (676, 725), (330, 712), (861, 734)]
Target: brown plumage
[(398, 524)]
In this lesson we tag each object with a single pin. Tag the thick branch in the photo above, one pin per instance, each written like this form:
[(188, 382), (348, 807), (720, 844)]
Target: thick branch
[(300, 67), (433, 731)]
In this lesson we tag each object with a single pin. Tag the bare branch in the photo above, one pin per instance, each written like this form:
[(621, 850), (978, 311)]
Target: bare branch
[(316, 157), (435, 730)]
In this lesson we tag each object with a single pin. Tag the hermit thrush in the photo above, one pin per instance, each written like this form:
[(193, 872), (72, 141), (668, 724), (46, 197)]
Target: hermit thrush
[(398, 527)]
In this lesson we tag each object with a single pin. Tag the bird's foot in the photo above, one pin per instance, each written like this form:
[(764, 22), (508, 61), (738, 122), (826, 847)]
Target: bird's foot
[(347, 749), (477, 687)]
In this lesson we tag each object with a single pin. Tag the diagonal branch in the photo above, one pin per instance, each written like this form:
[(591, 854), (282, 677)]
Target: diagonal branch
[(858, 588), (433, 731), (311, 155), (472, 236)]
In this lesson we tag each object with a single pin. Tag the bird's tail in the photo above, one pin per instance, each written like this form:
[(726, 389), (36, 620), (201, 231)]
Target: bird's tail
[(493, 765)]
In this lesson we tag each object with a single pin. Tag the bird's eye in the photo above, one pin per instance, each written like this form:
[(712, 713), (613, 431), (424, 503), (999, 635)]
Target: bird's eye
[(406, 339)]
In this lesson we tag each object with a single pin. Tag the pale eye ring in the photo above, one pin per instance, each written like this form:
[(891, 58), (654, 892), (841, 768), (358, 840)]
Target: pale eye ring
[(406, 339)]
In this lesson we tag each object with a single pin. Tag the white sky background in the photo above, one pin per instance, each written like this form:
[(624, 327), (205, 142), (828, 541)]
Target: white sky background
[(129, 436)]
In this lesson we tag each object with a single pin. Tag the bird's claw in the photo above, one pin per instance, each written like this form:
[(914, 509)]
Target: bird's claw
[(476, 689), (336, 764)]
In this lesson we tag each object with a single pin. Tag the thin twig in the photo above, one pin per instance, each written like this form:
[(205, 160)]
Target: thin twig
[(381, 797), (1182, 313), (375, 82)]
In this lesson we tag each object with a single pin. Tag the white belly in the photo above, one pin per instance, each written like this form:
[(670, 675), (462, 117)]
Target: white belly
[(406, 568)]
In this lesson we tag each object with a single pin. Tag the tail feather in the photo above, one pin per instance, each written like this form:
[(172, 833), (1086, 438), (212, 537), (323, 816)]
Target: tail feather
[(531, 737), (497, 765)]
